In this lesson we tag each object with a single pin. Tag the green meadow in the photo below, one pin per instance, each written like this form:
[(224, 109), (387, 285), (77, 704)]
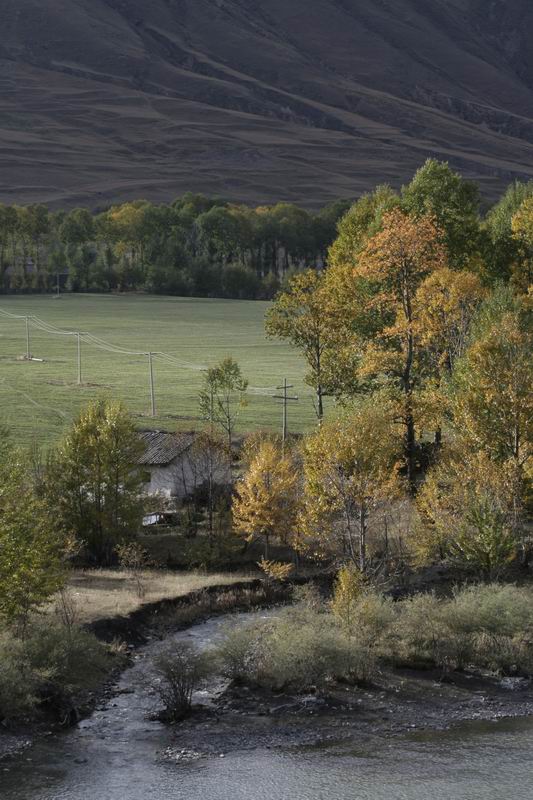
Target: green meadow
[(38, 399)]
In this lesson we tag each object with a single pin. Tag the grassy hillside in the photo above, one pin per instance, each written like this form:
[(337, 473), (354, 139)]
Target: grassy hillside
[(37, 400), (305, 100)]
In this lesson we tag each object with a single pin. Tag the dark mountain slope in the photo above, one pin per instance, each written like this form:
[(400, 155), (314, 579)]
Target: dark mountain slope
[(258, 100)]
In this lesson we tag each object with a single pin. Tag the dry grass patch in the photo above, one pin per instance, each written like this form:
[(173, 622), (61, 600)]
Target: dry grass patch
[(97, 594)]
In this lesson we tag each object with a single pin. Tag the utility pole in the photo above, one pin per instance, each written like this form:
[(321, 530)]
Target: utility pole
[(78, 336), (285, 399), (28, 351), (211, 410), (152, 388)]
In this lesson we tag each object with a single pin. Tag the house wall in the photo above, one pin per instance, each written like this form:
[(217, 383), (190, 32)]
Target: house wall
[(177, 479)]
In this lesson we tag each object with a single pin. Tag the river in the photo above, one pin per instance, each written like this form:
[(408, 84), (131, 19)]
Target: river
[(116, 755)]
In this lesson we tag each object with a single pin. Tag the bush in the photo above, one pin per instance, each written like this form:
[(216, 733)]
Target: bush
[(299, 649), (73, 658), (18, 685), (482, 627), (51, 663), (239, 651), (349, 585), (487, 627), (180, 668)]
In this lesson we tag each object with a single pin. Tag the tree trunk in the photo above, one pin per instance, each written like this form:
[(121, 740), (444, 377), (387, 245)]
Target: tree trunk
[(362, 539), (410, 447), (320, 404)]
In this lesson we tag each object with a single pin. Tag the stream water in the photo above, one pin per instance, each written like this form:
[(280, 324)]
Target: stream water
[(115, 755)]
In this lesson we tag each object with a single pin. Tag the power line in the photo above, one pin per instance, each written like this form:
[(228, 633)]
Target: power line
[(110, 347)]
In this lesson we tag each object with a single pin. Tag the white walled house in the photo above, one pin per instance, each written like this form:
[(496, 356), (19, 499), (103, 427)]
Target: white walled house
[(172, 468), (166, 463)]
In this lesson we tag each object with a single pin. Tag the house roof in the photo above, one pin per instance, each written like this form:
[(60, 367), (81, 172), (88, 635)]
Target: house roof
[(162, 448)]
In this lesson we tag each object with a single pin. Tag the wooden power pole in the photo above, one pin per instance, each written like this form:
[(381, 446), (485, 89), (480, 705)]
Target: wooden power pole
[(285, 400)]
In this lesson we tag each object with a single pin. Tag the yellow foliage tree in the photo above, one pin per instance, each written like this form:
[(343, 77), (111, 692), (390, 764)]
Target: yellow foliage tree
[(522, 227), (469, 513), (446, 303), (266, 501), (382, 287), (493, 401), (350, 468)]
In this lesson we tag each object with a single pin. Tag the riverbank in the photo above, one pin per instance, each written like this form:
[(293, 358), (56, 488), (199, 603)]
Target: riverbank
[(229, 717), (399, 701), (148, 622), (123, 750)]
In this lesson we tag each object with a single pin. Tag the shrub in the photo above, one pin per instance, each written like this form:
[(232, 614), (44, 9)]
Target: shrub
[(307, 597), (487, 626), (72, 658), (349, 585), (239, 651), (18, 685), (275, 570), (180, 669), (299, 649), (376, 617), (51, 663)]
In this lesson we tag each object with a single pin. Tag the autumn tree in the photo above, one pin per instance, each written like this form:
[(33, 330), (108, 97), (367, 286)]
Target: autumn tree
[(266, 499), (350, 469), (299, 315), (469, 513), (95, 482), (384, 281), (33, 545), (446, 304), (492, 399), (522, 227), (223, 396)]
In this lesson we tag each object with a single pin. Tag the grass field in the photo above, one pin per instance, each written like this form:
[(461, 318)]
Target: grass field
[(106, 593), (39, 399)]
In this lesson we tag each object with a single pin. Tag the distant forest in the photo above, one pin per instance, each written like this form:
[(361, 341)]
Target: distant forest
[(204, 247), (195, 246)]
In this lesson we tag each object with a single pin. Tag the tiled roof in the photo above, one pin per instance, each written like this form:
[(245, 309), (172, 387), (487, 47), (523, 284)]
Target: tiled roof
[(163, 447)]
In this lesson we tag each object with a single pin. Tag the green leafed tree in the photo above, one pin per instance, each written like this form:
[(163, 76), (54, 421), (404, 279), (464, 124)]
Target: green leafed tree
[(223, 396), (300, 316), (452, 202), (361, 222), (504, 255), (32, 542), (95, 480)]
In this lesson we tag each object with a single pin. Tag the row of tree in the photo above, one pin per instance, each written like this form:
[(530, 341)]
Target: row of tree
[(194, 246), (207, 247)]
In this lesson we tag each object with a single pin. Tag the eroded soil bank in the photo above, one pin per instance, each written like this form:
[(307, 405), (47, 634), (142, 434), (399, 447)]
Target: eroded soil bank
[(151, 622)]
